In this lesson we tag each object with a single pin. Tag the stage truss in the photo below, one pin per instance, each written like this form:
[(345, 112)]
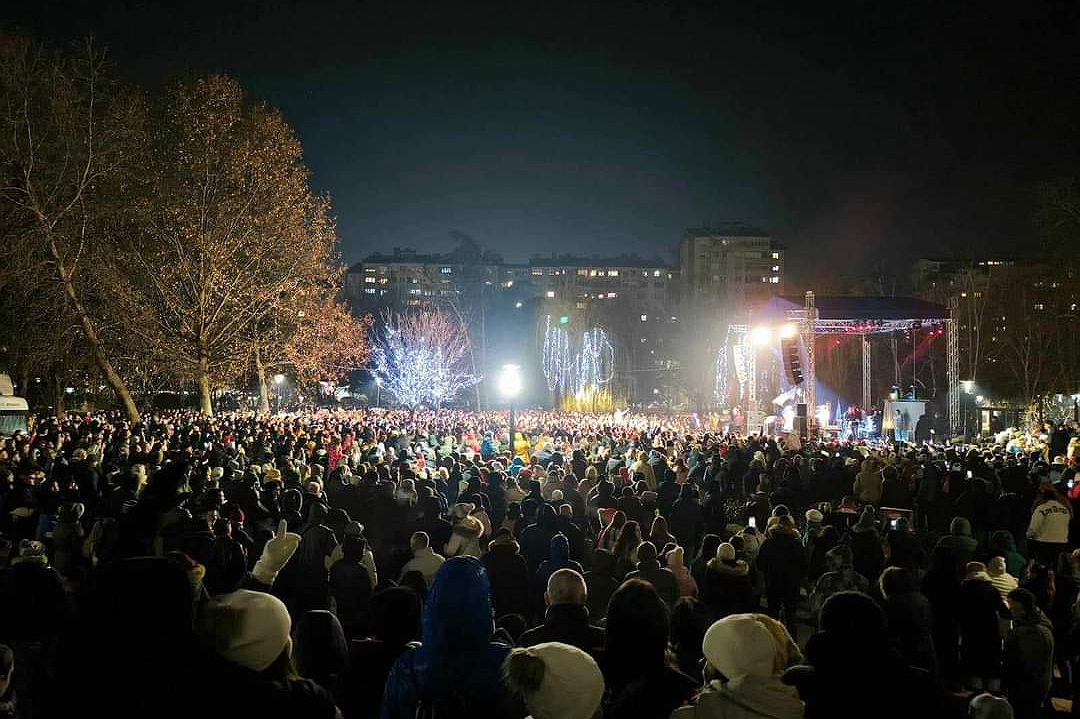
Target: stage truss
[(812, 325)]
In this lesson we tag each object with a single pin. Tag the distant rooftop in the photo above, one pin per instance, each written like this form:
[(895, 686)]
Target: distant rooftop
[(729, 229), (596, 261)]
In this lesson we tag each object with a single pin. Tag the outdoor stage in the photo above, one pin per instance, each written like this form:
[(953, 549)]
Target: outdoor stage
[(794, 323)]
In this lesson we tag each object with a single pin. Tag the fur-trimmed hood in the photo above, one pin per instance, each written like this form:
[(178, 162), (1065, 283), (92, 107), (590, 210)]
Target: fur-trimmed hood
[(468, 527), (739, 569)]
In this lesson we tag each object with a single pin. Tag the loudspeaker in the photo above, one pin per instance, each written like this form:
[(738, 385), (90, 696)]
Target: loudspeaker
[(801, 410), (789, 349)]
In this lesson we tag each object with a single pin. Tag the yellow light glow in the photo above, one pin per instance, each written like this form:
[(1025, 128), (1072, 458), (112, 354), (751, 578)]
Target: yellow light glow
[(760, 335), (789, 330)]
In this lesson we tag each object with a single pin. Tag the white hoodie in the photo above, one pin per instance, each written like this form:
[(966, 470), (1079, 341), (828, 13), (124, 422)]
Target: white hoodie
[(1050, 523)]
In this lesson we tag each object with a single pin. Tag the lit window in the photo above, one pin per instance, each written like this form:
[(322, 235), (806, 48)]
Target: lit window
[(612, 294), (370, 280), (414, 291), (592, 273), (369, 270), (1039, 306), (537, 271), (612, 273), (446, 270), (369, 290), (657, 273), (764, 279), (644, 318), (550, 294), (674, 319), (775, 280), (776, 268), (776, 255), (582, 273), (580, 305)]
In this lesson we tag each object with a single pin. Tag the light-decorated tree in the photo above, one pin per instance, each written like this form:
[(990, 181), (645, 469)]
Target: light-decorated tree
[(422, 357), (227, 234)]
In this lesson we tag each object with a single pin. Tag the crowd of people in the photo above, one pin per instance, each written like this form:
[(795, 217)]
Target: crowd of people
[(388, 564)]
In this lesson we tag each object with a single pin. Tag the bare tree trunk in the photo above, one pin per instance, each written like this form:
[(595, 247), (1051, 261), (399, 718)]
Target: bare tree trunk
[(264, 390), (90, 333), (58, 394), (202, 381)]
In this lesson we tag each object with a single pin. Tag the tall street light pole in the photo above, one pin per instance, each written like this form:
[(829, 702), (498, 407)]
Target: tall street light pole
[(509, 384)]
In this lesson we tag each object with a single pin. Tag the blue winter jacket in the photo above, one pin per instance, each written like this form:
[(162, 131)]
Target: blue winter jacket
[(457, 663)]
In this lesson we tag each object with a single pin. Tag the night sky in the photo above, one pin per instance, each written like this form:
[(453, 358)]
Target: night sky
[(858, 133)]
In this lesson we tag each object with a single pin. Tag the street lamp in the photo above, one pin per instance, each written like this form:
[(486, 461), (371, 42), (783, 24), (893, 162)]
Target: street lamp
[(509, 385)]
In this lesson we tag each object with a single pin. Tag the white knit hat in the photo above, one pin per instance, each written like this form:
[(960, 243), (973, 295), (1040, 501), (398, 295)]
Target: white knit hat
[(557, 681), (988, 706), (248, 628), (738, 645)]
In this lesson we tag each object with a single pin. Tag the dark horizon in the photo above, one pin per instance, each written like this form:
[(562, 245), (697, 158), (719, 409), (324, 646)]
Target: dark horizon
[(874, 136)]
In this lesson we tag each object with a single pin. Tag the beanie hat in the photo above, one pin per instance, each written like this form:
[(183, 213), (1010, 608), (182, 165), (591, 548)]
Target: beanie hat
[(738, 645), (248, 628), (556, 680), (988, 706), (814, 516), (725, 552)]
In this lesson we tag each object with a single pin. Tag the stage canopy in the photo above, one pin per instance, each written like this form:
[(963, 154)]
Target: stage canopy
[(853, 315)]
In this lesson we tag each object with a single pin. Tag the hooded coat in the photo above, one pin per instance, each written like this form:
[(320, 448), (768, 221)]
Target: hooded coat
[(683, 580), (980, 635), (746, 697), (465, 537), (1029, 656), (458, 664), (728, 589), (959, 543), (841, 577), (1002, 544), (559, 558), (867, 485), (509, 577), (536, 539)]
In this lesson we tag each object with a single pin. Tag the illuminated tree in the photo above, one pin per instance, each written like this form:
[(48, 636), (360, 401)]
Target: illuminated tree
[(422, 357)]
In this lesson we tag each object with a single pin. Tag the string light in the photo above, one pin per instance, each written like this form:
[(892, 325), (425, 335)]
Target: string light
[(589, 369), (556, 361)]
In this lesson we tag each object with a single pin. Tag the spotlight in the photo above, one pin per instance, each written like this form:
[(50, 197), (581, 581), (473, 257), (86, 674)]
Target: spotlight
[(789, 330), (760, 335)]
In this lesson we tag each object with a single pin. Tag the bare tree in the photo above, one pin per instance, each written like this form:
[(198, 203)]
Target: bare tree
[(66, 136), (228, 233)]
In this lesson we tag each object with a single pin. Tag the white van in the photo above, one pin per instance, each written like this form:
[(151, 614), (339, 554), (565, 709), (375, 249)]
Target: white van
[(14, 412)]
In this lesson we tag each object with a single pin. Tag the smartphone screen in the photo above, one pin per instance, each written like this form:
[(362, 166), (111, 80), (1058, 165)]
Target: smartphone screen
[(969, 474), (752, 522)]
